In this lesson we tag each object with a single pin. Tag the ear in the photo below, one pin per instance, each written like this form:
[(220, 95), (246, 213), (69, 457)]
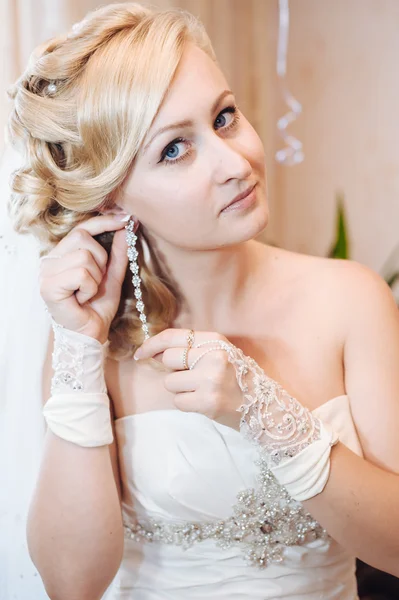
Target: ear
[(136, 224)]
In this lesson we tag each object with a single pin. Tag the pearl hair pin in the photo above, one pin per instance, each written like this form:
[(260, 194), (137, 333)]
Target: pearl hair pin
[(51, 88)]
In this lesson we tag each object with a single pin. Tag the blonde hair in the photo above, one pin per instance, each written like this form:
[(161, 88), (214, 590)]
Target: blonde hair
[(80, 138)]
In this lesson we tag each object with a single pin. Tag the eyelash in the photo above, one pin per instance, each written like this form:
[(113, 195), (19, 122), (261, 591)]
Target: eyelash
[(230, 109)]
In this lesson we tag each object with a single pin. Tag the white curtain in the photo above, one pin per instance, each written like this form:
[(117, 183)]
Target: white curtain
[(24, 327), (23, 340)]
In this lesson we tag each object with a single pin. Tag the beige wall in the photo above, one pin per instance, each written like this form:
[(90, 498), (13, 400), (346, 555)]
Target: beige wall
[(342, 67)]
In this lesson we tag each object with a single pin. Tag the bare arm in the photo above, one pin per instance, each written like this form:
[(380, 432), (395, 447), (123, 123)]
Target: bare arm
[(359, 506), (74, 531)]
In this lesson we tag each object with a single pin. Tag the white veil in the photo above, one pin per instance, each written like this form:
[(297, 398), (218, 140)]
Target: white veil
[(24, 331)]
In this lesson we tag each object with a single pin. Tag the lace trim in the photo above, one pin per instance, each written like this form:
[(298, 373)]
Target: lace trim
[(272, 419), (263, 524), (278, 422), (67, 363)]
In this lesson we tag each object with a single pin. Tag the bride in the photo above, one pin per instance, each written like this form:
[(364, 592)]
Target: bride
[(221, 414)]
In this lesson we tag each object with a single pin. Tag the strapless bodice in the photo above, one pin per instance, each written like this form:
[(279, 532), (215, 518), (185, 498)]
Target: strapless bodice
[(183, 474)]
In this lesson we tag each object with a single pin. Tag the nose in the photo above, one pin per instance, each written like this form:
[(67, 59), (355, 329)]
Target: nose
[(228, 160)]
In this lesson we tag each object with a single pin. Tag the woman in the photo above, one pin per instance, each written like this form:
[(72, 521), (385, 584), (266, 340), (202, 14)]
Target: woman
[(231, 485)]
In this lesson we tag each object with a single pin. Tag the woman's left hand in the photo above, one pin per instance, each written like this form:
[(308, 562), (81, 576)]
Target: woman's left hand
[(210, 388)]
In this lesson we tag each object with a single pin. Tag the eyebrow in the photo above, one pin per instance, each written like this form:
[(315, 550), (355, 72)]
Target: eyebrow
[(187, 122)]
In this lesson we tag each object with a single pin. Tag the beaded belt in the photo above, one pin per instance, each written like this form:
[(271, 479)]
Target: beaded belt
[(263, 523)]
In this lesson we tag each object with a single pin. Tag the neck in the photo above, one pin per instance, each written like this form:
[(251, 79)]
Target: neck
[(214, 285)]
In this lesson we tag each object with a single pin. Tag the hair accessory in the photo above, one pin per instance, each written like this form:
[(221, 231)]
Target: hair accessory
[(132, 253), (51, 88)]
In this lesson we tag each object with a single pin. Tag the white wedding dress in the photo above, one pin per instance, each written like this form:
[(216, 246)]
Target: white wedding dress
[(181, 475)]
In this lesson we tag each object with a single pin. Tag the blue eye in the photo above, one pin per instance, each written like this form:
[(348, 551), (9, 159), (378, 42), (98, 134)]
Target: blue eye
[(171, 151), (222, 117), (226, 120)]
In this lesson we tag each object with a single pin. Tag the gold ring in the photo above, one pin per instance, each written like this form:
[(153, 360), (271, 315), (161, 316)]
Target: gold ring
[(190, 338), (185, 354)]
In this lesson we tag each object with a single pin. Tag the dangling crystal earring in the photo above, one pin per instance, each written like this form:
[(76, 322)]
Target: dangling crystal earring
[(132, 253)]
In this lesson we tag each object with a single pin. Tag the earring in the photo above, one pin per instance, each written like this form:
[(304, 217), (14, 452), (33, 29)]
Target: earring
[(132, 253)]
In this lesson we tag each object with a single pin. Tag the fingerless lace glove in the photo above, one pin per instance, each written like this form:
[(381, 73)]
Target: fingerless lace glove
[(78, 409), (295, 443)]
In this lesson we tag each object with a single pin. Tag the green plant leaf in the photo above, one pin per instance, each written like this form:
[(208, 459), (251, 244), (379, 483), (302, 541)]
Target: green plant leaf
[(340, 249), (391, 280), (389, 270)]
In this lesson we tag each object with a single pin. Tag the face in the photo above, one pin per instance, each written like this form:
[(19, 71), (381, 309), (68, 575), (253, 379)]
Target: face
[(199, 155)]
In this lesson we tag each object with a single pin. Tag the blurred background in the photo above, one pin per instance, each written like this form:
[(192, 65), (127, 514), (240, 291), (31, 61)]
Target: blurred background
[(342, 199)]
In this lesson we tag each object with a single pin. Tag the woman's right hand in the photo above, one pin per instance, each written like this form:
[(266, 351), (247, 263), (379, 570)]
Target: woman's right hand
[(82, 292)]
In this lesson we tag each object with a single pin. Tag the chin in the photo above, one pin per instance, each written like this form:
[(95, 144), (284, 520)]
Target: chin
[(249, 226)]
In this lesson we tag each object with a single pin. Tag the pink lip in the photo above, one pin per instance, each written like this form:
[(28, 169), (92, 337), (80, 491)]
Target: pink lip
[(243, 200)]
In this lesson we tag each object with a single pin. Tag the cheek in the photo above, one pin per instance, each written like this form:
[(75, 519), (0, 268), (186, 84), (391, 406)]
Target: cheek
[(169, 200)]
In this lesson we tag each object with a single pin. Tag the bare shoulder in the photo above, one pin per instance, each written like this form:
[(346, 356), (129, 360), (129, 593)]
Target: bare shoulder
[(349, 289), (351, 285), (320, 271)]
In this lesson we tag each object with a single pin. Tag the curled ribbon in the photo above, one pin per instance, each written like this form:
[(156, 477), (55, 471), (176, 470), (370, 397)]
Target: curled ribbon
[(292, 153)]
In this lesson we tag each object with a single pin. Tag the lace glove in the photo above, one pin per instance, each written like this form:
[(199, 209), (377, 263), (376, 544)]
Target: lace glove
[(295, 443), (78, 409)]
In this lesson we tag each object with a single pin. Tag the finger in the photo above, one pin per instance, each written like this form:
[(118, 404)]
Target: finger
[(172, 358), (121, 214), (88, 289), (77, 280), (111, 284), (116, 270), (188, 402), (181, 381), (118, 259), (171, 338), (86, 230), (102, 223), (160, 342), (80, 241), (79, 258), (98, 253)]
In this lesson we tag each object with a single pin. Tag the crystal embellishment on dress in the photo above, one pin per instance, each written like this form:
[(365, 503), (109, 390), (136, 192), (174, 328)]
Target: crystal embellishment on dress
[(264, 522), (67, 362)]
